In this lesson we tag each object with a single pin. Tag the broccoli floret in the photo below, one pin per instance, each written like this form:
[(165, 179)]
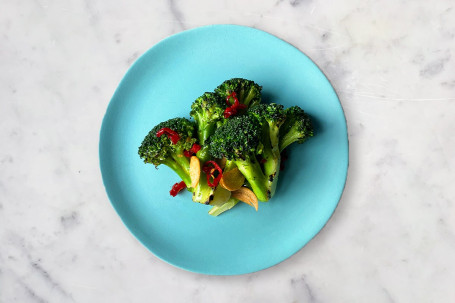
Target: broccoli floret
[(160, 150), (296, 128), (271, 117), (207, 110), (238, 140), (247, 91)]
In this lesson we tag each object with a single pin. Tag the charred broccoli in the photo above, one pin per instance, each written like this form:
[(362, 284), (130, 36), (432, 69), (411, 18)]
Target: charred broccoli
[(271, 117)]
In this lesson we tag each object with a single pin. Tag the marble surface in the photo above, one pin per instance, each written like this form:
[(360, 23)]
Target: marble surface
[(392, 238)]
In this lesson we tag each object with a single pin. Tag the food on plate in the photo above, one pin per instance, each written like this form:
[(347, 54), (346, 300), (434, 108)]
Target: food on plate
[(233, 150), (166, 143), (232, 179), (296, 128), (195, 171), (245, 194)]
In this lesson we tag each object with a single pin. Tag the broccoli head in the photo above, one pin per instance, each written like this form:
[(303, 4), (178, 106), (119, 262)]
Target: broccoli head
[(207, 110), (296, 128), (238, 138), (239, 141), (247, 91), (161, 150), (271, 116)]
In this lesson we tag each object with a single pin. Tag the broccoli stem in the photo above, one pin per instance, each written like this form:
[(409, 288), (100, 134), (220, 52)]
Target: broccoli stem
[(271, 169), (290, 137), (205, 130), (182, 161), (271, 154), (203, 192), (250, 95), (245, 96), (253, 173), (219, 209), (179, 171), (274, 132), (203, 154), (229, 165)]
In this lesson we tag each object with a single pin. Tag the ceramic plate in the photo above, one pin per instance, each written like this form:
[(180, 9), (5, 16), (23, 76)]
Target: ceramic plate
[(162, 84)]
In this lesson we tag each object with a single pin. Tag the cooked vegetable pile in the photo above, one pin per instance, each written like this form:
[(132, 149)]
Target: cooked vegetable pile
[(234, 148)]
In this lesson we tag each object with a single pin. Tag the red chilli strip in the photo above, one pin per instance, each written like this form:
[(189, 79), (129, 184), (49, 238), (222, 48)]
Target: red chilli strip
[(230, 111), (194, 149), (210, 173), (187, 154), (172, 135), (263, 161), (232, 95), (176, 188), (237, 104), (233, 109), (207, 169)]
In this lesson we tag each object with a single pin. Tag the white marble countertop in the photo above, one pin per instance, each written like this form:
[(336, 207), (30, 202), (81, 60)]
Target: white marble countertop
[(392, 238)]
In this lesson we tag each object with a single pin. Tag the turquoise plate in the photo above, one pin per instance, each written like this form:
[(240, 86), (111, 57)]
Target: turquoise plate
[(162, 84)]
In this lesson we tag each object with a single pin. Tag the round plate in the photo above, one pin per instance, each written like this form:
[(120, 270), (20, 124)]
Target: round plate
[(161, 85)]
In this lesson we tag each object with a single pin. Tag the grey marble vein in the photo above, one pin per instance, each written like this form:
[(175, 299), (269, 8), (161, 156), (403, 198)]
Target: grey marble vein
[(176, 13), (48, 278), (301, 286), (32, 296)]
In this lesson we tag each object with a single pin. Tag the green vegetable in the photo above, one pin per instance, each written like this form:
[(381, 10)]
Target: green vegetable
[(296, 128), (219, 209), (238, 140), (271, 117), (229, 123), (203, 193), (248, 92), (206, 111), (160, 150)]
